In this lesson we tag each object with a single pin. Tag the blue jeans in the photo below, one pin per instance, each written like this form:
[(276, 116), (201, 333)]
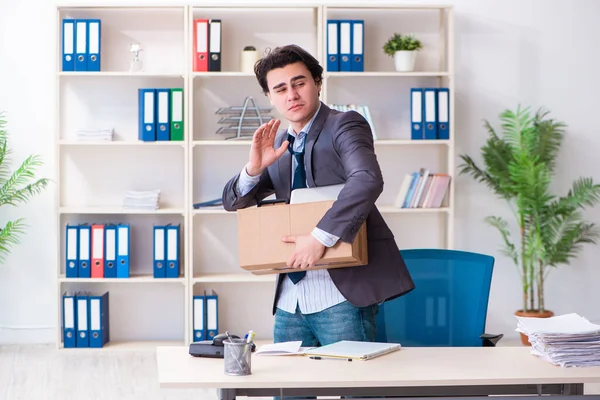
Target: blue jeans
[(343, 321)]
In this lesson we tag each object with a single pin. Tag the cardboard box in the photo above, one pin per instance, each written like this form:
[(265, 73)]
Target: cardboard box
[(260, 229)]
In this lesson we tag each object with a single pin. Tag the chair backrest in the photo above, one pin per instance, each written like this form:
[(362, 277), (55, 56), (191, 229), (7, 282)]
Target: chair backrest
[(448, 306)]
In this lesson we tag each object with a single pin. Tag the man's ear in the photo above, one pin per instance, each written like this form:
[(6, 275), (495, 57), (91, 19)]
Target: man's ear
[(270, 100)]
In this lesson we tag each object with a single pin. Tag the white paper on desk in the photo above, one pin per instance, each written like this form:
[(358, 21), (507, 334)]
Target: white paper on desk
[(562, 324), (281, 349)]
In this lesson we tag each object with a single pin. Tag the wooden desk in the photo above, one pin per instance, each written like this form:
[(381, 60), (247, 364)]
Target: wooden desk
[(474, 371)]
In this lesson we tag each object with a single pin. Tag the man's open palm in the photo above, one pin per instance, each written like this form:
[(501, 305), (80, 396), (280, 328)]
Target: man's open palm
[(263, 152)]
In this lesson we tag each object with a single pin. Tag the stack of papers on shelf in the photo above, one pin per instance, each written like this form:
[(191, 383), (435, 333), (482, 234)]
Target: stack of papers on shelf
[(95, 135), (567, 340), (142, 200)]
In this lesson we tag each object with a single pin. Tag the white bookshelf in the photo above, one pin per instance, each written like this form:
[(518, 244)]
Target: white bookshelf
[(92, 177)]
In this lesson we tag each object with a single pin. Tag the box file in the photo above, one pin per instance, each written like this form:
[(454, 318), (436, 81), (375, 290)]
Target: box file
[(159, 234), (68, 44), (163, 110), (123, 250), (68, 321), (172, 237), (176, 114), (110, 251), (99, 320)]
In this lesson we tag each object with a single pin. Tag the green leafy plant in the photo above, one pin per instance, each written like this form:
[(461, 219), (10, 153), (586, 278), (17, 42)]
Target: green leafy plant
[(16, 187), (401, 42), (518, 167)]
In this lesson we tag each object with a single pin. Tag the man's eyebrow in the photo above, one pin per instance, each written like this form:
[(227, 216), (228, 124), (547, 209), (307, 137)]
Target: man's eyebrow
[(292, 80)]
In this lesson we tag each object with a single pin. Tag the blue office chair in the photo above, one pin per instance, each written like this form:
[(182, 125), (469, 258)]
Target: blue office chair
[(448, 306)]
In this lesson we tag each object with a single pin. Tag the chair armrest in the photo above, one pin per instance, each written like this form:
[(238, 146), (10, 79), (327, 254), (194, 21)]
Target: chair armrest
[(490, 340)]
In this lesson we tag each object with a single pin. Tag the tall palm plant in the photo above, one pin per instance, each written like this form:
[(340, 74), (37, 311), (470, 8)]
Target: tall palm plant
[(16, 187), (518, 167)]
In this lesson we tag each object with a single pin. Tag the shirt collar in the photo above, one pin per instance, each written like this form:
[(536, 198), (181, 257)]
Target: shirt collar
[(306, 127)]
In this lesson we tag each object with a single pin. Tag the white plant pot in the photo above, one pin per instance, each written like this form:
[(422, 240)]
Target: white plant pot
[(405, 60)]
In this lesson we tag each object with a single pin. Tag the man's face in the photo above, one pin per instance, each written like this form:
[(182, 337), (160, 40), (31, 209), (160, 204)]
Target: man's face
[(293, 92)]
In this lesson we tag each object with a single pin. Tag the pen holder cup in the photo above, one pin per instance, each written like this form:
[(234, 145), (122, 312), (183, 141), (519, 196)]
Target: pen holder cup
[(237, 357)]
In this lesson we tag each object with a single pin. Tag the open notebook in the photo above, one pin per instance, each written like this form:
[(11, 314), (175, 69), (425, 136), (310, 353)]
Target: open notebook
[(353, 350)]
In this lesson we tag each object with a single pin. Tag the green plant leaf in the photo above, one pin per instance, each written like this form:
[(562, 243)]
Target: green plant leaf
[(10, 236), (16, 187), (399, 42)]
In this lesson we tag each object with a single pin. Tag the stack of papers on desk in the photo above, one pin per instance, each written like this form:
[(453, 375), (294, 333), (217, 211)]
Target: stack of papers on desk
[(567, 340), (281, 349), (142, 200)]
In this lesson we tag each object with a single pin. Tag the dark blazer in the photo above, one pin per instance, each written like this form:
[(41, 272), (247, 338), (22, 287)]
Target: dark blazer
[(339, 149)]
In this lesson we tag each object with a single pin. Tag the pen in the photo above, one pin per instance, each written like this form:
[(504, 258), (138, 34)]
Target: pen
[(329, 358), (249, 338)]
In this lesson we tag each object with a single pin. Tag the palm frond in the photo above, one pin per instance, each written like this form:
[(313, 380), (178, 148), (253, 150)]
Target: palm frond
[(517, 127), (509, 248), (549, 137), (4, 151), (10, 236), (17, 189)]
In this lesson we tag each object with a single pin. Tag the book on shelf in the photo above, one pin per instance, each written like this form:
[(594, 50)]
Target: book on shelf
[(422, 189), (359, 108)]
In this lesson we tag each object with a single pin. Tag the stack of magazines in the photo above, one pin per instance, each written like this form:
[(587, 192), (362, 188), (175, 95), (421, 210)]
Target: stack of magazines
[(567, 340), (141, 200)]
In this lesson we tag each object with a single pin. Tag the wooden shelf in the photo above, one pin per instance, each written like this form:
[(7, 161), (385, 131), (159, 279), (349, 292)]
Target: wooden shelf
[(231, 278), (118, 210), (121, 143), (141, 345), (212, 211), (120, 74), (384, 74), (227, 74), (240, 142), (131, 279)]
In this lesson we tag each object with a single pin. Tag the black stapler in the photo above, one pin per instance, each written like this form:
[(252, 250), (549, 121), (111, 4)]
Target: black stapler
[(212, 348)]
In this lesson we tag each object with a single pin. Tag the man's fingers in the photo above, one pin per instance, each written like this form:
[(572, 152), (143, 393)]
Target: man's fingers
[(289, 239), (290, 261), (259, 132), (274, 127), (279, 152)]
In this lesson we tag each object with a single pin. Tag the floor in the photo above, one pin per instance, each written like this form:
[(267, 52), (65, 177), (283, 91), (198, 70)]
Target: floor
[(41, 372)]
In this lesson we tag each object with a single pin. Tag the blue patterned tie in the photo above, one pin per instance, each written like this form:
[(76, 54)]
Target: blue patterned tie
[(298, 182)]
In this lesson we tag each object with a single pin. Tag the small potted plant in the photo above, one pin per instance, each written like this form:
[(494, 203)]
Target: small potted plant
[(404, 50)]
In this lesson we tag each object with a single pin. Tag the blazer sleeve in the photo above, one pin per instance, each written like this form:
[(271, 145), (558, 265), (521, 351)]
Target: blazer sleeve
[(353, 143), (232, 201)]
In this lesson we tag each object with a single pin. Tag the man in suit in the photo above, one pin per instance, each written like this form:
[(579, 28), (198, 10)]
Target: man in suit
[(320, 147)]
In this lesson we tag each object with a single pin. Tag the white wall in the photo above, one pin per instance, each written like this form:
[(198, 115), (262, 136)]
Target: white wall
[(538, 53)]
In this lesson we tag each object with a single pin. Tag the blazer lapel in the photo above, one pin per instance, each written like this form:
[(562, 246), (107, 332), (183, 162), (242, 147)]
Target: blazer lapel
[(312, 136)]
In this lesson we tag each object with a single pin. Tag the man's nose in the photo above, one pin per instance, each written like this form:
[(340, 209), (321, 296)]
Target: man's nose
[(293, 93)]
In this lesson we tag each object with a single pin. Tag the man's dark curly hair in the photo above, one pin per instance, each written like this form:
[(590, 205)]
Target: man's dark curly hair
[(282, 56)]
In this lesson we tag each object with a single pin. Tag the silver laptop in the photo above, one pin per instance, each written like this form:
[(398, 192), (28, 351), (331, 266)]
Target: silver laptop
[(321, 193)]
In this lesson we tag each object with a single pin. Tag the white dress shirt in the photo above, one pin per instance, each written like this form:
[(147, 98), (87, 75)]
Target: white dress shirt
[(316, 291)]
